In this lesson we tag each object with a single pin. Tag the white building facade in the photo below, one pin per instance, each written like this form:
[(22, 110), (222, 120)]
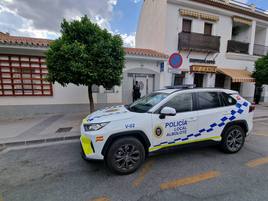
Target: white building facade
[(219, 40), (23, 71)]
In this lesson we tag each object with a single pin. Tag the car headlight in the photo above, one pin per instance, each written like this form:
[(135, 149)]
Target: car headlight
[(94, 126)]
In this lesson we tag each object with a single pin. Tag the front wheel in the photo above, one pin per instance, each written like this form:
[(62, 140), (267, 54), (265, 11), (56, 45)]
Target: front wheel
[(125, 155), (233, 139)]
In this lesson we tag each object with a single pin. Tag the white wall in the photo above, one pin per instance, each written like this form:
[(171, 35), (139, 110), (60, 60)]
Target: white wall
[(142, 65), (265, 93), (151, 27), (73, 94), (209, 80), (153, 65), (222, 28), (61, 95), (247, 91), (260, 37)]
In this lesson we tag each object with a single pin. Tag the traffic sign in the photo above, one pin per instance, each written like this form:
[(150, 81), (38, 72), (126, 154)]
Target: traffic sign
[(175, 60)]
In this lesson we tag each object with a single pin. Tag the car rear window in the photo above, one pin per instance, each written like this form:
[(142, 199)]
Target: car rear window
[(228, 100), (208, 100)]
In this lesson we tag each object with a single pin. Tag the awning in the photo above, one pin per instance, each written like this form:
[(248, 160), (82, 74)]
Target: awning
[(208, 17), (203, 69), (189, 13), (242, 20), (237, 75)]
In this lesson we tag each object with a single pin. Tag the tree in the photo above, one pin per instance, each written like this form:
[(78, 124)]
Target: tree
[(261, 71), (261, 76), (85, 55)]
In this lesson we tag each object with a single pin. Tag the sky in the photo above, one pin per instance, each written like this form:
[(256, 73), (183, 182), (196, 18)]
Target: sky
[(42, 18)]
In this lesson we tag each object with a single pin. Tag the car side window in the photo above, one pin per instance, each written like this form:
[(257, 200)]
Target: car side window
[(208, 100), (181, 103), (228, 100)]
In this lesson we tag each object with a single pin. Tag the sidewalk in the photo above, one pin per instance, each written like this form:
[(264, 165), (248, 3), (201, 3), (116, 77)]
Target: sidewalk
[(40, 129), (261, 111), (58, 127)]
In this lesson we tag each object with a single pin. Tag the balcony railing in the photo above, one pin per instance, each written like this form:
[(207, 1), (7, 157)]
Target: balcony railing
[(198, 42), (238, 47), (260, 50)]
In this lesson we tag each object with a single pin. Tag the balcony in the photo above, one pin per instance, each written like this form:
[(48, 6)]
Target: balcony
[(199, 42), (238, 47), (260, 50)]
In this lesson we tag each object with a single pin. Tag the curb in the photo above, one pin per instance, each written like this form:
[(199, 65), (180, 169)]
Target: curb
[(260, 117), (35, 142)]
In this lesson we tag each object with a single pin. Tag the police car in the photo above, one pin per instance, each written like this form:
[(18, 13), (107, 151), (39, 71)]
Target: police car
[(124, 136)]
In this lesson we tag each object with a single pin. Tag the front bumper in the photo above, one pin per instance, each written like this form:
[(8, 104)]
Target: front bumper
[(88, 151)]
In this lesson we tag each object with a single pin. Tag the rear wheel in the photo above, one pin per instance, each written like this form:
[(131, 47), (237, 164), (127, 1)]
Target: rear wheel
[(125, 155), (233, 139)]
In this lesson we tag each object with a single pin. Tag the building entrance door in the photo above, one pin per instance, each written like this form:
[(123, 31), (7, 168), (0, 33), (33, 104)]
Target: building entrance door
[(146, 83), (236, 86), (198, 79), (219, 81)]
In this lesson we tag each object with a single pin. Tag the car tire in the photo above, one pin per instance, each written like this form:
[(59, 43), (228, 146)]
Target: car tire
[(125, 155), (233, 139)]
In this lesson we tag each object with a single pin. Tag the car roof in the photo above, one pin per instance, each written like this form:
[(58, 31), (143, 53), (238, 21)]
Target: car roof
[(167, 91), (171, 91)]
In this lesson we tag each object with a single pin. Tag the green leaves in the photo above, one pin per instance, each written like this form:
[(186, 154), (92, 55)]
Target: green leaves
[(85, 55), (261, 71)]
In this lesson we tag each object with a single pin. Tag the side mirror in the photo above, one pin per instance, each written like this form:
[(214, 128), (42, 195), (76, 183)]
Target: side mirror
[(167, 111)]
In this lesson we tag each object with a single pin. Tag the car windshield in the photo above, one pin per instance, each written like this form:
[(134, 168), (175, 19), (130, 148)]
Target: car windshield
[(146, 103)]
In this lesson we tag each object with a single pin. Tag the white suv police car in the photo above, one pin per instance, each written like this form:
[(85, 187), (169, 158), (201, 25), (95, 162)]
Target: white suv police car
[(124, 135)]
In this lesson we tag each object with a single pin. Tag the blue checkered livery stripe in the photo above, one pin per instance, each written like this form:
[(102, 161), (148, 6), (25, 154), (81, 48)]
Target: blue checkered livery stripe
[(238, 110)]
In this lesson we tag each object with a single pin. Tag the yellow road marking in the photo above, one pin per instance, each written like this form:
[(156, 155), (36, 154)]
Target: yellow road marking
[(1, 198), (189, 180), (261, 134), (101, 199), (257, 162), (146, 168)]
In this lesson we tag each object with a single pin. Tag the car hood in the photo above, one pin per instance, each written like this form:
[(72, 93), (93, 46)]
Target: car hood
[(109, 114)]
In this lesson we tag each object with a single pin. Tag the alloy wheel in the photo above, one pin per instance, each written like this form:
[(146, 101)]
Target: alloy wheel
[(127, 157), (234, 140)]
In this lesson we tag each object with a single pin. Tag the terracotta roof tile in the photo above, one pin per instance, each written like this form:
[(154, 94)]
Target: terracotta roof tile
[(38, 42), (145, 52), (23, 41)]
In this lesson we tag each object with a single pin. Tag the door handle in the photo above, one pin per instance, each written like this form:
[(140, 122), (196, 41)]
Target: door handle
[(192, 119)]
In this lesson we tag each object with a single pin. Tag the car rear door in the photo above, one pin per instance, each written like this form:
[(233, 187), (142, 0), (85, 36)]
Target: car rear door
[(212, 115), (178, 129)]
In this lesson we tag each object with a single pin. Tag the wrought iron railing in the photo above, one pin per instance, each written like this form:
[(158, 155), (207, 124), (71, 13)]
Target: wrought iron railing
[(260, 50), (238, 47), (198, 42)]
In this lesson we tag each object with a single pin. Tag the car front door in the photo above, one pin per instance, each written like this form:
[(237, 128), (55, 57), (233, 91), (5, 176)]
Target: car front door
[(178, 129)]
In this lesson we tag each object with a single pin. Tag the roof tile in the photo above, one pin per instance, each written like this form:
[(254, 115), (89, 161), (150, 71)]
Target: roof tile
[(26, 41), (38, 42), (145, 52)]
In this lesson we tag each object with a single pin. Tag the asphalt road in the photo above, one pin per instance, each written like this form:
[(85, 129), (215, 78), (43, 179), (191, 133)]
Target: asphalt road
[(57, 172)]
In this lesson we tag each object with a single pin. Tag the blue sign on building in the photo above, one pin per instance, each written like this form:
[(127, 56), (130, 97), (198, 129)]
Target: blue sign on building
[(162, 67)]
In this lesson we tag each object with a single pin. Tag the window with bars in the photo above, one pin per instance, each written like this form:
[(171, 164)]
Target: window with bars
[(23, 76)]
